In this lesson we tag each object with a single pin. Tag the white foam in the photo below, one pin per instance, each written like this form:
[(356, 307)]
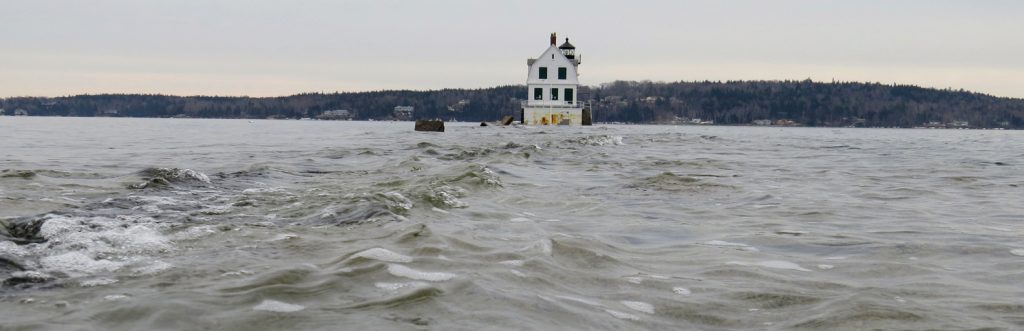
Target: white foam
[(78, 264), (217, 210), (189, 173), (84, 246), (517, 273), (398, 200), (491, 178), (114, 297), (32, 274), (731, 244), (195, 232), (553, 220), (153, 200), (449, 196), (514, 263), (642, 307), (622, 315), (825, 266), (101, 236), (1017, 252), (264, 190), (681, 290), (397, 286), (381, 254), (278, 306), (238, 273), (601, 140), (439, 210), (520, 220), (10, 248), (285, 237), (403, 271), (97, 282), (635, 280), (786, 265), (153, 268)]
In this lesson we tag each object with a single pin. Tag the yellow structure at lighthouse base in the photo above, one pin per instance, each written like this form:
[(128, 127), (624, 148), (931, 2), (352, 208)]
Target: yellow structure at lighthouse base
[(553, 116)]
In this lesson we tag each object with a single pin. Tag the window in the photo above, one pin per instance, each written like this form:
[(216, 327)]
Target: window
[(554, 94), (568, 95), (538, 93), (561, 72), (543, 72)]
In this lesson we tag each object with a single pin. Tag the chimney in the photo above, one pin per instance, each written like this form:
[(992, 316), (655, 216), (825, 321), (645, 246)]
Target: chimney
[(553, 38)]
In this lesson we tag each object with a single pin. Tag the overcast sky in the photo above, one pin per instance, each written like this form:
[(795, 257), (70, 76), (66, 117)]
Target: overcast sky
[(270, 48)]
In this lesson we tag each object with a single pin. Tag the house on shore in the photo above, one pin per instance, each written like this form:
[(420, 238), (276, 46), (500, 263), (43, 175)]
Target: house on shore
[(336, 114)]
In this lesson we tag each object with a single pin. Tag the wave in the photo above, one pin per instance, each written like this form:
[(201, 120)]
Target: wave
[(31, 174), (597, 140), (668, 181), (164, 177), (54, 246)]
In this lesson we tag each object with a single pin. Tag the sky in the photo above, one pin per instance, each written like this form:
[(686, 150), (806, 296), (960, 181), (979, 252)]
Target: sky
[(276, 48)]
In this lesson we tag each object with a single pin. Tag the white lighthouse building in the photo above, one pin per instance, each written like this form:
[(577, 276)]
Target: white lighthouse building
[(553, 88)]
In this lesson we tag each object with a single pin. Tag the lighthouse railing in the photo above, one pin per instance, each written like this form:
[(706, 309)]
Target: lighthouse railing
[(552, 104)]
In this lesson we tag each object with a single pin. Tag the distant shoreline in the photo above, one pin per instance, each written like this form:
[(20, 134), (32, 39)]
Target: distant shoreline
[(763, 103), (476, 124)]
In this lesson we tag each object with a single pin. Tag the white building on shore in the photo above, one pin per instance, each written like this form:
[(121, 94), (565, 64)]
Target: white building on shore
[(553, 88)]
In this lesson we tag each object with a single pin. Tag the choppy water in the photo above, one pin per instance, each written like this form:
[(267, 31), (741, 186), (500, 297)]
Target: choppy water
[(239, 225)]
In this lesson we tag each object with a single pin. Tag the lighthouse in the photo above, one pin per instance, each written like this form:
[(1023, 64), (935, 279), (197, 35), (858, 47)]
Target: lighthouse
[(552, 84)]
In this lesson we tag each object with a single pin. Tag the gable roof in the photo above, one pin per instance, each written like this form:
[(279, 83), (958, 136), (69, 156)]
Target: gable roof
[(553, 50)]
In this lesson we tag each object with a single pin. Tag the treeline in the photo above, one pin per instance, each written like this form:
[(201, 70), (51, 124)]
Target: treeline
[(461, 104), (734, 102), (804, 103)]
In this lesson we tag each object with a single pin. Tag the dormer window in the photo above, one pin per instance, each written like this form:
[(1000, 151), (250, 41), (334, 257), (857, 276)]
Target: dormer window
[(561, 72), (543, 72)]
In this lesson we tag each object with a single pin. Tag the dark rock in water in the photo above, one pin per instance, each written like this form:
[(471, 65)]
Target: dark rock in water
[(430, 125), (27, 278), (504, 121), (23, 231)]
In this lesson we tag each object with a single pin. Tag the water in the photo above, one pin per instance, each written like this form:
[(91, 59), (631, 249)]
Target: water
[(239, 225)]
